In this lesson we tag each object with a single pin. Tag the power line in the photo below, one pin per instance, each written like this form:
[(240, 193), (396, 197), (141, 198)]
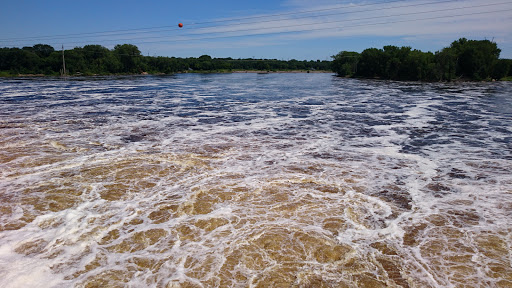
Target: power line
[(308, 24), (306, 11), (276, 20), (323, 28), (161, 28), (358, 19), (200, 23), (303, 30)]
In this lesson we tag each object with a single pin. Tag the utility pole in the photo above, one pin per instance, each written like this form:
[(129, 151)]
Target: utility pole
[(63, 62)]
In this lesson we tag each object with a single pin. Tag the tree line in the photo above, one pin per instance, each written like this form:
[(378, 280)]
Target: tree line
[(127, 59), (464, 59)]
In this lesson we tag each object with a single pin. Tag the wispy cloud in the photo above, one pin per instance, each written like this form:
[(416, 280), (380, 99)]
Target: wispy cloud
[(304, 20), (409, 18)]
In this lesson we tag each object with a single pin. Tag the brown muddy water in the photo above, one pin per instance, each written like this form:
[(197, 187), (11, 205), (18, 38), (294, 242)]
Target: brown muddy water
[(248, 180)]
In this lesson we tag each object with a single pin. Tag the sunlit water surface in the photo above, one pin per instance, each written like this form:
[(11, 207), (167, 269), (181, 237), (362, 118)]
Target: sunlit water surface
[(249, 180)]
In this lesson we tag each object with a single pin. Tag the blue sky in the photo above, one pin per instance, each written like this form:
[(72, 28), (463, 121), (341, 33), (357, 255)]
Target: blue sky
[(289, 29)]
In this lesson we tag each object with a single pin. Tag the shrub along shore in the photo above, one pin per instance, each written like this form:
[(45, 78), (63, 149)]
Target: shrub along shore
[(463, 60), (42, 59)]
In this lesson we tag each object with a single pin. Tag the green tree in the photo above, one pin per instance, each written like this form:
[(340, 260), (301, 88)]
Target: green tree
[(43, 50), (371, 64), (475, 58), (75, 61), (52, 64), (344, 64), (501, 69), (418, 65), (130, 58), (95, 56), (19, 61), (446, 64), (204, 63)]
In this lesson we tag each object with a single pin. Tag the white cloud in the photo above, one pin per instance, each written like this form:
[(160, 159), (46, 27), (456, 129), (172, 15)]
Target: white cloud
[(413, 21), (398, 19)]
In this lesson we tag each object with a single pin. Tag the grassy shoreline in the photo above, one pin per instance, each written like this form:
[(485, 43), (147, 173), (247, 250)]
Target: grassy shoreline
[(8, 75), (4, 74)]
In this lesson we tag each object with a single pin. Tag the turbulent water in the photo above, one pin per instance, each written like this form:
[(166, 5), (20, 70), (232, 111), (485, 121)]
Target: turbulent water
[(254, 180)]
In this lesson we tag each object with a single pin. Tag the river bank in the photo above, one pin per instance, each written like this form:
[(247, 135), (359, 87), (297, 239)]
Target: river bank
[(7, 75)]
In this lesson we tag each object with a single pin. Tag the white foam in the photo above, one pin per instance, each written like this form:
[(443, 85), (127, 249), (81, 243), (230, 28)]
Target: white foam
[(334, 145)]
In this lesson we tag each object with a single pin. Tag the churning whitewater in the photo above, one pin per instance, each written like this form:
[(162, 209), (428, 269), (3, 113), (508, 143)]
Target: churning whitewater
[(254, 180)]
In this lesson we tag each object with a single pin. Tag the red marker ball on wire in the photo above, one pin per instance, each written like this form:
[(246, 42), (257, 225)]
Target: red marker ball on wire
[(180, 25)]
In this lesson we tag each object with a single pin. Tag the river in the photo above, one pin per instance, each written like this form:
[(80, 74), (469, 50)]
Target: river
[(254, 180)]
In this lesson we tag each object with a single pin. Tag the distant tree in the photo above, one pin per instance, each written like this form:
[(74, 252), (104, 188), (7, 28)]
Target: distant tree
[(501, 69), (262, 65), (19, 61), (371, 64), (52, 64), (509, 61), (222, 64), (130, 58), (418, 65), (43, 50), (345, 63), (446, 64), (162, 64), (475, 58), (95, 55), (205, 58), (470, 59), (204, 63), (76, 61)]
